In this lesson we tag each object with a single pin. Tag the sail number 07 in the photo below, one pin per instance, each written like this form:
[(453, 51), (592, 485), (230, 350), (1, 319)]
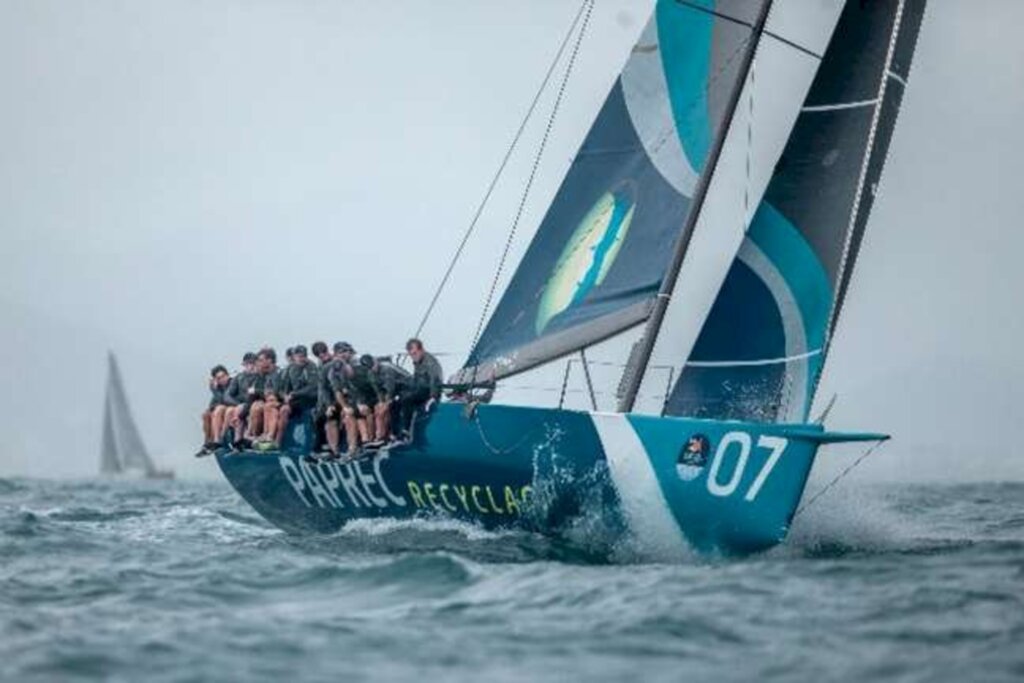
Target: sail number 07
[(744, 444)]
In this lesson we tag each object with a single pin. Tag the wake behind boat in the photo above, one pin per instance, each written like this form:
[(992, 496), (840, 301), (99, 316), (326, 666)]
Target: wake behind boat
[(713, 216)]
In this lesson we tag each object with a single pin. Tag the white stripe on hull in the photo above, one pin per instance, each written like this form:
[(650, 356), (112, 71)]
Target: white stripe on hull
[(640, 495)]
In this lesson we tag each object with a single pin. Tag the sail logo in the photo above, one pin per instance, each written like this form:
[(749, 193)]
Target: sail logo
[(589, 254)]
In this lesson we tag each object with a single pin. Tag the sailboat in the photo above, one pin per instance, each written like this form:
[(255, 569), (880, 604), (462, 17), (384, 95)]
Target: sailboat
[(122, 451), (713, 215)]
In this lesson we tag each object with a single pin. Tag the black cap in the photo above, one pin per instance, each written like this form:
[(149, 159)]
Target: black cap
[(299, 350), (366, 360), (342, 347), (288, 352), (249, 357)]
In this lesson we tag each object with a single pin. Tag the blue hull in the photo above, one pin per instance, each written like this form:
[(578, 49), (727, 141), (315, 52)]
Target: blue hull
[(542, 469)]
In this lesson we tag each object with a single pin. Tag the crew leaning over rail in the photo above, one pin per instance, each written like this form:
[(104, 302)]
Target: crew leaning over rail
[(369, 401)]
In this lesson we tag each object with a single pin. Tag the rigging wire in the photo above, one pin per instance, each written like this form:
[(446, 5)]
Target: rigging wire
[(588, 7), (501, 168), (825, 489)]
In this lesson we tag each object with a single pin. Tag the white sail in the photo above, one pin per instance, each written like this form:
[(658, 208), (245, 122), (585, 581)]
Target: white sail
[(122, 447), (110, 463), (784, 64)]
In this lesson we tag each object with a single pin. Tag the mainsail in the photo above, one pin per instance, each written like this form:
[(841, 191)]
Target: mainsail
[(600, 257), (121, 447), (761, 349)]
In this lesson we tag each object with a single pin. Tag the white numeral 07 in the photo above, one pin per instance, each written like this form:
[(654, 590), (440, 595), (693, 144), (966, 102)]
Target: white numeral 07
[(777, 445)]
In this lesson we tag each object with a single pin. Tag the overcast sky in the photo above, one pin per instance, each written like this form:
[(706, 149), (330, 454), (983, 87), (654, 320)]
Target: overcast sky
[(181, 181)]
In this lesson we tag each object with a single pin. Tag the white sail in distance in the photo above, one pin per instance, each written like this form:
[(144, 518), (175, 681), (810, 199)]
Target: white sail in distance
[(121, 448)]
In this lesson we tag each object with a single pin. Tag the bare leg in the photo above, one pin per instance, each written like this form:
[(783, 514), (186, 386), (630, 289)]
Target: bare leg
[(236, 422), (352, 432), (270, 417), (365, 424), (382, 414), (219, 424), (333, 435), (207, 426), (282, 422), (255, 420)]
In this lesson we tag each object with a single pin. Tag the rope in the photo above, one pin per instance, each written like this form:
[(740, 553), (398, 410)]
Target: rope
[(501, 169), (821, 492), (495, 450), (588, 6)]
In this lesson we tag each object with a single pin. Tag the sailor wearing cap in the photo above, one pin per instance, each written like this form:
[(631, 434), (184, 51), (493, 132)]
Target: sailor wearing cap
[(239, 398), (299, 388)]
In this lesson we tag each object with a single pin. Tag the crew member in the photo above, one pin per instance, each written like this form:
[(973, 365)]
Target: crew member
[(355, 393), (237, 400), (266, 404), (300, 383), (325, 417), (425, 388), (213, 416), (389, 380)]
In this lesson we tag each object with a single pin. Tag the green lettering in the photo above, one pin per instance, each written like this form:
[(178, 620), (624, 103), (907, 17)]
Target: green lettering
[(460, 491), (494, 505), (417, 496), (443, 490), (428, 489), (476, 501), (510, 500)]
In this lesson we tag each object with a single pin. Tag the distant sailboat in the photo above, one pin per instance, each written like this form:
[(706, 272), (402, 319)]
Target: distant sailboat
[(122, 452)]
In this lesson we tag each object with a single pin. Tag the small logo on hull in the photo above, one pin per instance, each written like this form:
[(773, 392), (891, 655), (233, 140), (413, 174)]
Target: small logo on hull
[(693, 458)]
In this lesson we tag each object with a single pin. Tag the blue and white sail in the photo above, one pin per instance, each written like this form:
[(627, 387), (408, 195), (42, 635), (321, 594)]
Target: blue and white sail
[(761, 349), (784, 64), (601, 253)]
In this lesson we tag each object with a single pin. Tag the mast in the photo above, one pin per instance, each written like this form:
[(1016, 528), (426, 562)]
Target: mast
[(633, 374)]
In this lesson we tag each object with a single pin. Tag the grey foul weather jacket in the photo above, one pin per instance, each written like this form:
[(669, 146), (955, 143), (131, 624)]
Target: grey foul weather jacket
[(267, 384), (325, 395), (218, 395), (238, 389), (301, 381), (391, 380), (427, 374)]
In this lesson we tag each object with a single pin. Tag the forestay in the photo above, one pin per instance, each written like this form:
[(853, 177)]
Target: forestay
[(761, 349), (786, 58), (598, 259)]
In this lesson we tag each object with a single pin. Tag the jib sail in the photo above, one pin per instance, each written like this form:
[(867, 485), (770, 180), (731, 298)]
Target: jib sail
[(762, 347)]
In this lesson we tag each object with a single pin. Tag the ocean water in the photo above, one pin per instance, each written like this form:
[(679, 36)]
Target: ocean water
[(179, 581)]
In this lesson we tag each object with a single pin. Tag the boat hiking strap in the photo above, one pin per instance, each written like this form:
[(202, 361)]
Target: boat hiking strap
[(825, 489), (501, 169)]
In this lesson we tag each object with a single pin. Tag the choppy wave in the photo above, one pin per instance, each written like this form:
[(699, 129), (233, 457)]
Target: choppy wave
[(182, 581)]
